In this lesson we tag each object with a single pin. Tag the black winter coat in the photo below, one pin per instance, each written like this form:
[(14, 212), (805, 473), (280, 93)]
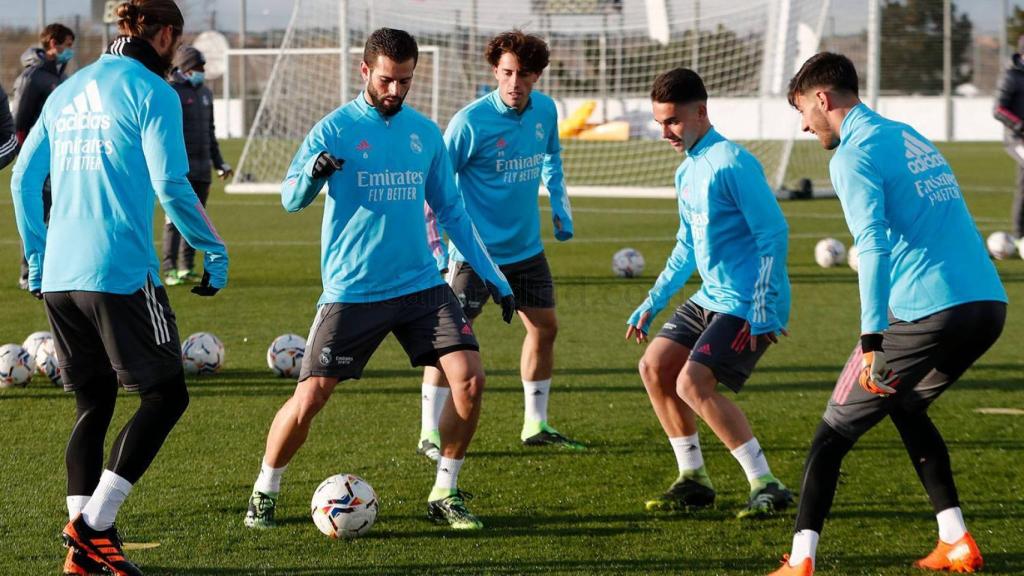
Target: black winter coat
[(200, 139), (1009, 108), (32, 87)]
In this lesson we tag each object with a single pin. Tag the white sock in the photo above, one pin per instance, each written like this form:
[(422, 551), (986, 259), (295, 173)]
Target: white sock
[(536, 397), (75, 505), (434, 398), (101, 510), (688, 454), (448, 473), (751, 458), (269, 480), (951, 525), (805, 545)]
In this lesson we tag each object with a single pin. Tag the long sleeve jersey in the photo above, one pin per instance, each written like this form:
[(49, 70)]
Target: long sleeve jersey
[(110, 138), (919, 249), (500, 157), (373, 238), (732, 231)]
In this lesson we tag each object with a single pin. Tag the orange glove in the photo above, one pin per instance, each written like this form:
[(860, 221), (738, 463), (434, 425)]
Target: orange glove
[(875, 375)]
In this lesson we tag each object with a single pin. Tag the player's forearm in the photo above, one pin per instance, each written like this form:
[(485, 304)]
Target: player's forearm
[(299, 188), (8, 149), (188, 215), (678, 269), (873, 271), (463, 233), (27, 193)]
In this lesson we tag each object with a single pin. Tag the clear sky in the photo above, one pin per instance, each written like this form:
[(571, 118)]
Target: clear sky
[(263, 14)]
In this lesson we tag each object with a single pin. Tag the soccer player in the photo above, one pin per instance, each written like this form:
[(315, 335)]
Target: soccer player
[(187, 79), (732, 231), (931, 303), (381, 160), (502, 146), (110, 138)]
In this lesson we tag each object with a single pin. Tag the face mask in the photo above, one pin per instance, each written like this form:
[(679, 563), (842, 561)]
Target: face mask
[(65, 56), (196, 78)]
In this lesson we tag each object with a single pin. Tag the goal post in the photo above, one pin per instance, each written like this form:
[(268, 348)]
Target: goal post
[(604, 56)]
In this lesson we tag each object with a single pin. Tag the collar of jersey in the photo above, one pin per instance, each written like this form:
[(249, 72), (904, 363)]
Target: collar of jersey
[(364, 107), (854, 117), (506, 110), (705, 142)]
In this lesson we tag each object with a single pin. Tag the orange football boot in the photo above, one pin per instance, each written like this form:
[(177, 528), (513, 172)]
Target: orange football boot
[(961, 556), (805, 568)]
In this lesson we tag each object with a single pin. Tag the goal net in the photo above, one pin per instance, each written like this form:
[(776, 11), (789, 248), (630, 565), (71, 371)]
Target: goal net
[(604, 56)]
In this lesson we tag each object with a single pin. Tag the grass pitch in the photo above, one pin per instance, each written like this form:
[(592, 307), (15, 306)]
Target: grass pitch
[(546, 511)]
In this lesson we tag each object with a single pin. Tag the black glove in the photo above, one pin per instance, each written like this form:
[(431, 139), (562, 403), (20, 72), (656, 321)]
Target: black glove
[(204, 288), (37, 294), (508, 303), (326, 165)]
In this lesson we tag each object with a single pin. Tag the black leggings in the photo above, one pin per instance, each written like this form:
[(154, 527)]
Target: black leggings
[(136, 446), (924, 444)]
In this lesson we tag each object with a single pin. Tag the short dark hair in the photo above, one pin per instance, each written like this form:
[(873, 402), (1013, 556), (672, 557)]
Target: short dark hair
[(531, 50), (398, 45), (679, 86), (59, 33), (824, 70)]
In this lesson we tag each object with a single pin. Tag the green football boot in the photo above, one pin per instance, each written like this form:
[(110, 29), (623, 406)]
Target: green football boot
[(541, 434), (451, 510), (261, 510), (769, 497)]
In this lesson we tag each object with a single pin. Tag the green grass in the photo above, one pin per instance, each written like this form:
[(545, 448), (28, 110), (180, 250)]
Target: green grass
[(546, 511)]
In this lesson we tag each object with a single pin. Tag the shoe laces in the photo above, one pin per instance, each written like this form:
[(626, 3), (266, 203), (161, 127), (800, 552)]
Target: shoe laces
[(457, 502), (263, 503)]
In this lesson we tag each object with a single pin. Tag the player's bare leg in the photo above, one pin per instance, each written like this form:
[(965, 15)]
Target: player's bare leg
[(697, 385), (536, 364), (465, 375), (287, 434), (659, 368)]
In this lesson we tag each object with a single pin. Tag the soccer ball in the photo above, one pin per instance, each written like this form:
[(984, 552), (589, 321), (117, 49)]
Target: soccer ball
[(627, 263), (344, 506), (34, 340), (851, 258), (1000, 245), (202, 353), (16, 366), (285, 355), (829, 252), (47, 363)]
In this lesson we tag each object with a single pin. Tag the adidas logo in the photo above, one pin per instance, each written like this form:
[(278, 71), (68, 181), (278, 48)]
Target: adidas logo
[(84, 113), (920, 155), (363, 146), (705, 349)]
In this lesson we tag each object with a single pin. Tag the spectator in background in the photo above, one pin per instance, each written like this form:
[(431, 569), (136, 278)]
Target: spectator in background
[(203, 155), (1009, 110), (44, 71), (8, 141)]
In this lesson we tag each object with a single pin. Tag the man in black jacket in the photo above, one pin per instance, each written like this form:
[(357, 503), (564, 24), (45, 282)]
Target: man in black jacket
[(1009, 110), (8, 140), (44, 71), (203, 156)]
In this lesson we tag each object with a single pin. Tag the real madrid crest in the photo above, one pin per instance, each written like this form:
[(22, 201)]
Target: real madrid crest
[(414, 143), (539, 131)]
